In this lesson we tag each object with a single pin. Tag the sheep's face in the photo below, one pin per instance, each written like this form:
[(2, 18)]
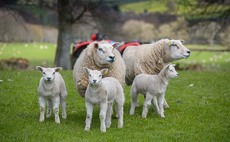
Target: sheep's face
[(95, 76), (178, 50), (104, 53), (171, 71), (48, 74)]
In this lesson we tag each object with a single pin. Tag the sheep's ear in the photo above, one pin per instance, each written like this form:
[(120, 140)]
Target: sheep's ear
[(96, 45), (118, 44), (39, 68), (57, 69), (86, 70), (182, 41), (104, 71)]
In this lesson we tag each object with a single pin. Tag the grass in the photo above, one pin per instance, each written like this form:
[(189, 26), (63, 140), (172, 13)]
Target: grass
[(199, 111), (199, 104), (36, 53), (139, 7)]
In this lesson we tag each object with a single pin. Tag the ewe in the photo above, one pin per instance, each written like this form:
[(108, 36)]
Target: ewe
[(150, 58), (52, 90), (103, 92), (98, 55), (152, 87)]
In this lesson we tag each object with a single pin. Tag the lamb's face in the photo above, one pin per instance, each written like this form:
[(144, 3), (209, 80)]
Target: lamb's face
[(171, 71), (48, 74), (178, 50), (105, 54), (95, 76)]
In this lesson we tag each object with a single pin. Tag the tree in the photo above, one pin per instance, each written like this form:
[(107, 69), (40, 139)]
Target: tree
[(69, 12)]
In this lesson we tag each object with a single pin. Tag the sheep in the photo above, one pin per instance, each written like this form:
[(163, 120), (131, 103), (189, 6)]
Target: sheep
[(103, 91), (152, 87), (150, 58), (98, 55), (52, 90)]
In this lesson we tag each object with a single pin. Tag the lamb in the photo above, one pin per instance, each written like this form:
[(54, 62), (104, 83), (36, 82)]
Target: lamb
[(52, 90), (103, 92), (152, 87), (150, 58), (98, 55)]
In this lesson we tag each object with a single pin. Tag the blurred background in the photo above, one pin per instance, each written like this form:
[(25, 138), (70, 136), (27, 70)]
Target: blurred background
[(43, 32)]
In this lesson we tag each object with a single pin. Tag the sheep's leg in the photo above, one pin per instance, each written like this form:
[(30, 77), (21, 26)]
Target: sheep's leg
[(165, 103), (135, 102), (154, 101), (49, 108), (161, 105), (120, 113), (147, 104), (56, 103), (63, 104), (108, 115), (42, 104), (103, 109), (89, 113)]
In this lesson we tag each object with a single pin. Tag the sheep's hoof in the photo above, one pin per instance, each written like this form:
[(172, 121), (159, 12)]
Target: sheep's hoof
[(48, 116), (41, 120), (58, 121), (64, 116), (166, 106), (103, 131), (162, 116), (131, 112), (87, 129)]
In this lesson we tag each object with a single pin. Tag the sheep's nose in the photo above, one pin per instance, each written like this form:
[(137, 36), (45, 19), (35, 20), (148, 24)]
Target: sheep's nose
[(188, 52), (48, 78), (112, 57), (94, 81)]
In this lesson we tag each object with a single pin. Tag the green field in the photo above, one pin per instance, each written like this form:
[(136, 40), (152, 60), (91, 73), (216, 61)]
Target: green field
[(199, 111), (199, 104), (43, 54)]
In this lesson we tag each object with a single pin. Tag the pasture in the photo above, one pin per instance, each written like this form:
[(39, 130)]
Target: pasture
[(199, 105)]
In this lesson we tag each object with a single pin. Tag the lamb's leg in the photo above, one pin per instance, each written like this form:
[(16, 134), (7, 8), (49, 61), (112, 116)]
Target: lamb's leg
[(56, 103), (63, 104), (89, 113), (42, 104), (49, 108), (109, 115), (161, 105), (165, 103), (155, 104), (120, 113), (147, 104), (134, 103), (103, 109)]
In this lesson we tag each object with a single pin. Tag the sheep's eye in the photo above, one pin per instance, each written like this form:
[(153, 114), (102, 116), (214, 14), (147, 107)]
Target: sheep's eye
[(44, 73), (171, 70), (53, 73), (100, 49), (100, 75)]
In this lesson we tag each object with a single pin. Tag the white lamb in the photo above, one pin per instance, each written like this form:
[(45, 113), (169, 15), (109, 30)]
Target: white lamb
[(52, 90), (103, 91), (152, 87)]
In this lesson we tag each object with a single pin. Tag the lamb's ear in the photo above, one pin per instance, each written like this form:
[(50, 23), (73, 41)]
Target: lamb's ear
[(104, 71), (96, 45), (182, 41), (39, 68), (57, 69), (86, 70), (167, 66)]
